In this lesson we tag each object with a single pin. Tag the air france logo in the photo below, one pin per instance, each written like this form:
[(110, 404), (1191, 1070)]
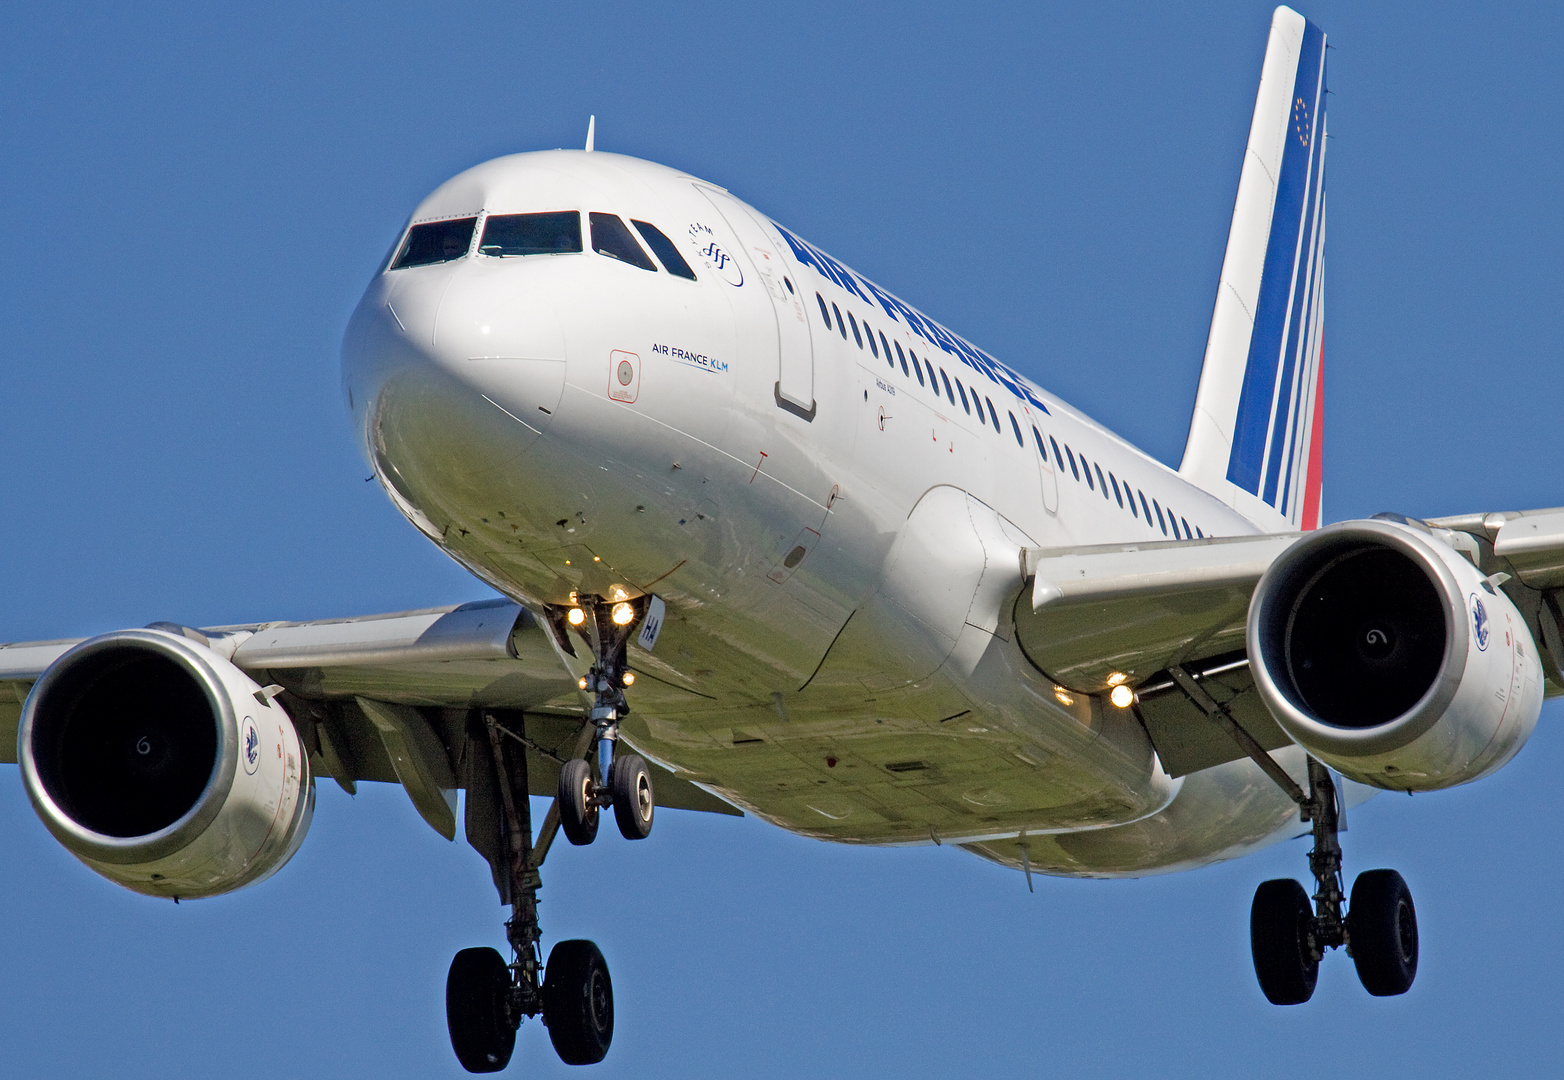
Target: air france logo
[(250, 746), (717, 258), (1480, 622)]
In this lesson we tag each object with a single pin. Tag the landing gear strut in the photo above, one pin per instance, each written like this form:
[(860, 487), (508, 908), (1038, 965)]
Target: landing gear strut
[(623, 781), (486, 999), (1287, 935), (1288, 939)]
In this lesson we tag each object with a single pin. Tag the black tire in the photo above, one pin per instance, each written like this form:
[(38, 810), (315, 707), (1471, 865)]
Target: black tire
[(578, 814), (578, 1002), (630, 782), (477, 989), (1382, 930), (1281, 937)]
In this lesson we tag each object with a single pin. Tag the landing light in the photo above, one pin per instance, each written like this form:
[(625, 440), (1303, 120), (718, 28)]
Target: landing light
[(1064, 696), (629, 678), (623, 613), (576, 616), (1117, 678), (582, 682), (1122, 696)]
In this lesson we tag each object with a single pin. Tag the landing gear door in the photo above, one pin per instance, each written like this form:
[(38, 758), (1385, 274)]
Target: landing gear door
[(767, 258)]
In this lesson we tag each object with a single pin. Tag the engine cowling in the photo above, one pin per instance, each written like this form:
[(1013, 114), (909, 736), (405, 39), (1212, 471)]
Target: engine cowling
[(1387, 655), (163, 767)]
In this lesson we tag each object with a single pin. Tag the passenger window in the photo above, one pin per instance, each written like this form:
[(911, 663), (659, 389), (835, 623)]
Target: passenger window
[(436, 242), (611, 238), (1164, 524), (992, 415), (899, 356), (1086, 467), (914, 356), (1015, 427), (663, 248), (1144, 506), (824, 314), (1185, 522), (840, 325), (1038, 435), (1058, 457), (962, 390), (872, 346), (1101, 483), (556, 233), (1114, 480), (917, 369), (948, 391), (1071, 455), (933, 381), (856, 335), (885, 347), (1198, 534)]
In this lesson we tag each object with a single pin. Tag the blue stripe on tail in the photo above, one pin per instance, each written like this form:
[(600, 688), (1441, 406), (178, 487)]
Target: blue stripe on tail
[(1284, 291)]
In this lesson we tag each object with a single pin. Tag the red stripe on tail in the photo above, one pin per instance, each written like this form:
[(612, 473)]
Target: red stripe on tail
[(1315, 475)]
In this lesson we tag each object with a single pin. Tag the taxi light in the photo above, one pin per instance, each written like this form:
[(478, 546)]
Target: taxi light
[(1118, 678), (623, 613), (1122, 696), (582, 682), (576, 616), (629, 678), (1064, 696)]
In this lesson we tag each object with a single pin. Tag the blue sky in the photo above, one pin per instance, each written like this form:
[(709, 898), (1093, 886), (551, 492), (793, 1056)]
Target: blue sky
[(195, 198)]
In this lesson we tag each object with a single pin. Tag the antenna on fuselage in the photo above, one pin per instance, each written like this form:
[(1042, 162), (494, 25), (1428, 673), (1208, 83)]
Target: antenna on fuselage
[(591, 131)]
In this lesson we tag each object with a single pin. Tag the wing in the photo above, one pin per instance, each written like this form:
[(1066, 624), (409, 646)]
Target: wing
[(388, 697), (1142, 614)]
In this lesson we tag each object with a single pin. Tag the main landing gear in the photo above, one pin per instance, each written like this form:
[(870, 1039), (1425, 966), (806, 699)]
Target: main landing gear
[(486, 998), (1288, 937)]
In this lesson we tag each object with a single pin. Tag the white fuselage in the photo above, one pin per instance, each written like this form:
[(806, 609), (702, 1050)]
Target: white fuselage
[(806, 504)]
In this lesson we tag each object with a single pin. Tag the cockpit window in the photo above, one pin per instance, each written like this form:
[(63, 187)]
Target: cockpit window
[(663, 248), (435, 242), (611, 238), (556, 233)]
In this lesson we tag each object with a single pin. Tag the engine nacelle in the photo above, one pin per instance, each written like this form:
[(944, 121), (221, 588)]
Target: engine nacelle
[(163, 767), (1387, 655)]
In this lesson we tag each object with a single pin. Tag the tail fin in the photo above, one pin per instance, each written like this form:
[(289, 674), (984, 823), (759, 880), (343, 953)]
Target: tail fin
[(1256, 437)]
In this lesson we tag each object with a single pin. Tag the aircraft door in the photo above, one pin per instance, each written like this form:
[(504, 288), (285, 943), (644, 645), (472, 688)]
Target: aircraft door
[(767, 257), (1047, 470)]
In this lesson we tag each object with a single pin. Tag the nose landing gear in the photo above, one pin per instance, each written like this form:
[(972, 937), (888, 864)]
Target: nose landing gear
[(623, 781)]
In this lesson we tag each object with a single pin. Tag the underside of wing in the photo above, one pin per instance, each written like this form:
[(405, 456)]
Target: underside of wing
[(1148, 616), (390, 697)]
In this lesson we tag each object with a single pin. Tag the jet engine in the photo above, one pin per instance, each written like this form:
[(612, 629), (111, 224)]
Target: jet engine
[(163, 767), (1386, 654)]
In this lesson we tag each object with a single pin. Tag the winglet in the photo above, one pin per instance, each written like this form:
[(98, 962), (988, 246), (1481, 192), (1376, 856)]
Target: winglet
[(591, 131), (1256, 437)]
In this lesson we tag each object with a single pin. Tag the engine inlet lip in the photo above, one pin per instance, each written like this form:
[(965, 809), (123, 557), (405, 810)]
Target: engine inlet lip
[(1268, 623), (130, 850)]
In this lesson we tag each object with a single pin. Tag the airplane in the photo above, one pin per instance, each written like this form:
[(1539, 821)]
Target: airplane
[(813, 556)]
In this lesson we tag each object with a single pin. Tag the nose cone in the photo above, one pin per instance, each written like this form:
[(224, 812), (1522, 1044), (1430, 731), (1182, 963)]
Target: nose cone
[(451, 372)]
